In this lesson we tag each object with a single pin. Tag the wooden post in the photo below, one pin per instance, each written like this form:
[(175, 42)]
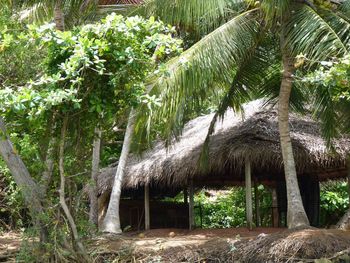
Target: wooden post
[(147, 210), (348, 173), (248, 195), (257, 203), (185, 196), (191, 205), (275, 216)]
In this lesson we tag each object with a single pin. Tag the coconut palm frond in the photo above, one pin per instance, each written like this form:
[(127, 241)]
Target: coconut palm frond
[(209, 62), (38, 12), (75, 11), (247, 83), (309, 33), (345, 8), (201, 16), (275, 10), (325, 111), (339, 24)]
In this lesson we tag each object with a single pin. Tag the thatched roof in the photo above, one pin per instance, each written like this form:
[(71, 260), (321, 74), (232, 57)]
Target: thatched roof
[(236, 138)]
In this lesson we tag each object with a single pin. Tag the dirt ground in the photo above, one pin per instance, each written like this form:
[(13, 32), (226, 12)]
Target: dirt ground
[(210, 245), (225, 245), (9, 245)]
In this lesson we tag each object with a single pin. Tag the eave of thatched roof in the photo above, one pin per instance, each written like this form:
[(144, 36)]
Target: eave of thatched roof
[(254, 136)]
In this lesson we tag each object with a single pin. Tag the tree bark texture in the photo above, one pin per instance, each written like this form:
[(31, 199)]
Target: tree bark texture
[(191, 218), (58, 15), (96, 149), (147, 209), (63, 203), (248, 195), (111, 223), (29, 188), (296, 215), (46, 177)]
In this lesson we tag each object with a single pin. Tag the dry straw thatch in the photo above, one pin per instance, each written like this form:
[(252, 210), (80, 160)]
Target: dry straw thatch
[(254, 136)]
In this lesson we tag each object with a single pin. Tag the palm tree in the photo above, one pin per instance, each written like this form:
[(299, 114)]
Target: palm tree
[(64, 13), (243, 48)]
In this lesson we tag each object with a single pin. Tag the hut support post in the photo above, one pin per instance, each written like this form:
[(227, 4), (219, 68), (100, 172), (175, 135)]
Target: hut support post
[(248, 195), (185, 196), (257, 203), (348, 173), (147, 210), (275, 216), (191, 205)]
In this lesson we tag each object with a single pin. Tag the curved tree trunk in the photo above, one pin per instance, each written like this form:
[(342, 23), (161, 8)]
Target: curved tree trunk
[(93, 213), (111, 223), (23, 179), (58, 15), (296, 215)]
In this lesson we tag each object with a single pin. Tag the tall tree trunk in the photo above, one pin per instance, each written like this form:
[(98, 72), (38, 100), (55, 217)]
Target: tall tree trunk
[(23, 179), (62, 193), (49, 158), (93, 213), (296, 215), (111, 223), (58, 15)]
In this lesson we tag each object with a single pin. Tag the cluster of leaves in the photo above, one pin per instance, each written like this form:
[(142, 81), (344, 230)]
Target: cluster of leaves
[(222, 211), (11, 202), (95, 66), (334, 202), (18, 60), (92, 74), (330, 89), (227, 209), (336, 76)]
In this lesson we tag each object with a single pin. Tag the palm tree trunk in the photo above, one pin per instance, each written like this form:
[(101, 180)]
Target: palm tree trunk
[(93, 213), (111, 223), (296, 216), (58, 15), (23, 179)]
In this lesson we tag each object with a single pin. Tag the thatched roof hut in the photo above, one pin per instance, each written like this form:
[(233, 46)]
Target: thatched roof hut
[(254, 136)]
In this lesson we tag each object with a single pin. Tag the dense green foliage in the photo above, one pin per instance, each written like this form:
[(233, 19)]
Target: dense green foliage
[(334, 202), (90, 75), (227, 209), (93, 74)]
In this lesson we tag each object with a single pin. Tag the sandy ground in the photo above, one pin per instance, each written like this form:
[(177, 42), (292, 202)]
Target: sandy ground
[(185, 245), (157, 240)]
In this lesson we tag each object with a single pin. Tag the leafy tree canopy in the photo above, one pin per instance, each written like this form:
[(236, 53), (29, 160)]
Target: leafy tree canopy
[(96, 67)]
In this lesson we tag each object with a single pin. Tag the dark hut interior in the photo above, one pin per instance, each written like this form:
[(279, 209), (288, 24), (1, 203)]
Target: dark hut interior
[(242, 150)]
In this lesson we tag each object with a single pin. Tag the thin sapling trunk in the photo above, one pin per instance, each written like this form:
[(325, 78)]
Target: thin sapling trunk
[(63, 203), (93, 213)]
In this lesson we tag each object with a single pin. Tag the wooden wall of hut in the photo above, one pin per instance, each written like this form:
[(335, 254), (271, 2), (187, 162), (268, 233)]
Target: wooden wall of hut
[(310, 194), (162, 214)]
